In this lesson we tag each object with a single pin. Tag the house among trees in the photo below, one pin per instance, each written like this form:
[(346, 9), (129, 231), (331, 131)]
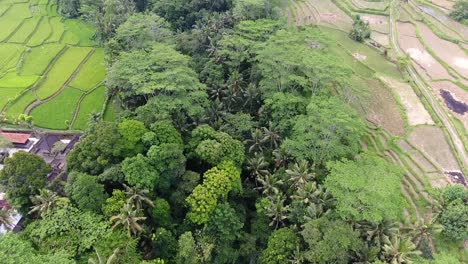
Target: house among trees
[(20, 140)]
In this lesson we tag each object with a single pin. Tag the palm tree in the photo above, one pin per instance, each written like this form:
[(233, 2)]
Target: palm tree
[(276, 210), (281, 157), (5, 219), (251, 97), (271, 135), (399, 250), (101, 260), (128, 219), (269, 184), (255, 142), (136, 197), (300, 173), (257, 166), (45, 202), (380, 232), (423, 230)]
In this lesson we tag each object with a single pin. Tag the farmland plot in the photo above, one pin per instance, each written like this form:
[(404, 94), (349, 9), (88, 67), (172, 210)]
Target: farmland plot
[(41, 54)]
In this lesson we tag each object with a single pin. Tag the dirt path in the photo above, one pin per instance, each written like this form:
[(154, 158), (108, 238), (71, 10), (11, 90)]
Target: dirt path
[(426, 92)]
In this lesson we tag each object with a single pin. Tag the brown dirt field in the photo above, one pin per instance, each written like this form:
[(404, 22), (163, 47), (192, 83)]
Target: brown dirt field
[(366, 4), (414, 48), (330, 14), (383, 109), (448, 51), (457, 92), (417, 114), (431, 141), (446, 4), (376, 22), (380, 38)]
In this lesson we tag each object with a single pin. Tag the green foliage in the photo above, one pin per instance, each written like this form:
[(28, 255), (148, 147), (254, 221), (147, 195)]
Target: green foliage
[(118, 239), (162, 132), (187, 252), (114, 203), (214, 147), (330, 241), (217, 183), (331, 130), (68, 8), (281, 245), (143, 75), (15, 250), (85, 191), (168, 159), (139, 172), (349, 183), (24, 175), (132, 132), (67, 229), (460, 11), (161, 213), (224, 224), (139, 32), (238, 125), (454, 218), (281, 109), (361, 30), (164, 244), (296, 60), (252, 9), (98, 149)]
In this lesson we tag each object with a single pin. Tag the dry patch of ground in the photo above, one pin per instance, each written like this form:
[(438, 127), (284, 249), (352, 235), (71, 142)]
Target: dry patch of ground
[(417, 114), (409, 42), (329, 14), (448, 51), (380, 38), (458, 94), (376, 22), (431, 141)]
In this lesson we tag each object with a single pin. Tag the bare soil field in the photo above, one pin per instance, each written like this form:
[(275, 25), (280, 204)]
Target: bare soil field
[(431, 141), (417, 114), (380, 38), (383, 109), (329, 14), (448, 51), (376, 22), (445, 4), (457, 93), (409, 43)]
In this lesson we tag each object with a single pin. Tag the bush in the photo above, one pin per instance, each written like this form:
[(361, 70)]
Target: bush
[(361, 30)]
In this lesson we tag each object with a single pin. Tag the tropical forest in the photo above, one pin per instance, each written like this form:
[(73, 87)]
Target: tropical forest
[(233, 131)]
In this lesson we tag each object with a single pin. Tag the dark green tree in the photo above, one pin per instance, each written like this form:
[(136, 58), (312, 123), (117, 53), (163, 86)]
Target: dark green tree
[(23, 175)]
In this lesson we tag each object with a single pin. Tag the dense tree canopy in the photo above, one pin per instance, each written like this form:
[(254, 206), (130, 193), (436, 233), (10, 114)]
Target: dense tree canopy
[(226, 141), (350, 181), (24, 175)]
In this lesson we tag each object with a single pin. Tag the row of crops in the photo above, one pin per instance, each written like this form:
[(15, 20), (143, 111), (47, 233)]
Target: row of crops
[(50, 67)]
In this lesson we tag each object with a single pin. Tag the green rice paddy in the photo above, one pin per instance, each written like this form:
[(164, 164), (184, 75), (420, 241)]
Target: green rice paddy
[(50, 67)]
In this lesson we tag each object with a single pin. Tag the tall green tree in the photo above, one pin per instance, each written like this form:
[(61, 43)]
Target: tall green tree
[(331, 130), (23, 175), (85, 191), (349, 183), (140, 77)]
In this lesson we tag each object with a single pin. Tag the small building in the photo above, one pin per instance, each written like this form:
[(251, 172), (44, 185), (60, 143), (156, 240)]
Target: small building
[(19, 140)]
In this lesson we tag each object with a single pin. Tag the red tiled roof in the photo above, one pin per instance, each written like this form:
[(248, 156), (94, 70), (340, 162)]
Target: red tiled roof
[(16, 138)]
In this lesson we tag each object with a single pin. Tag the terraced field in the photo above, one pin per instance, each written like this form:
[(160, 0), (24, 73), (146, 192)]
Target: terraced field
[(50, 67), (418, 113)]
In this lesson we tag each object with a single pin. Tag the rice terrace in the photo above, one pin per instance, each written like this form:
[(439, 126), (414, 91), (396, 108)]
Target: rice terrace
[(50, 67), (415, 65)]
